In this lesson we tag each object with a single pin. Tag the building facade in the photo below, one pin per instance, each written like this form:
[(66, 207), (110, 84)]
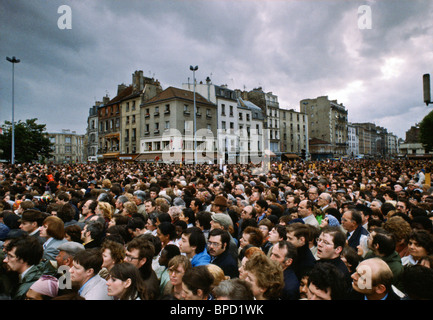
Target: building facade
[(293, 133), (167, 127), (327, 121), (69, 147)]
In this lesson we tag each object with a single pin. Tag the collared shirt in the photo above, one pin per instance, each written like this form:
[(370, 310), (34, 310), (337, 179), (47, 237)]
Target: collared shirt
[(82, 287), (22, 275), (47, 242)]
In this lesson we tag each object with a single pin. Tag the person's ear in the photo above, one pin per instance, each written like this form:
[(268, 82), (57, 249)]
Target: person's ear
[(128, 282)]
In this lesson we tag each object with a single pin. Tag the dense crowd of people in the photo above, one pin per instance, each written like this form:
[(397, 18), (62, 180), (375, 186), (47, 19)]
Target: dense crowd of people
[(312, 230)]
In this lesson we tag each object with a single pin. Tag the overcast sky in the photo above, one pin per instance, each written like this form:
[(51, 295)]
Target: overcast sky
[(294, 49)]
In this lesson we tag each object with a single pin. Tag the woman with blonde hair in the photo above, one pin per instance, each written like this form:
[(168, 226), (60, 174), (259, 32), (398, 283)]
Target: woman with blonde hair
[(129, 208), (105, 210), (177, 266)]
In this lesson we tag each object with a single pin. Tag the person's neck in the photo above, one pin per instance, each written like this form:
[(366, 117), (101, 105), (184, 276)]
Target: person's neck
[(376, 296), (191, 254)]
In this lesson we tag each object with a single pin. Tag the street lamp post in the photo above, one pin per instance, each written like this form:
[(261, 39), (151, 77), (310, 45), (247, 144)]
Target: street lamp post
[(13, 60), (194, 69)]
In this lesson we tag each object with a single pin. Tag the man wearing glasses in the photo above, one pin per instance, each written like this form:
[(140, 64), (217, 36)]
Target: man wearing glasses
[(22, 256), (140, 252), (217, 247), (330, 244)]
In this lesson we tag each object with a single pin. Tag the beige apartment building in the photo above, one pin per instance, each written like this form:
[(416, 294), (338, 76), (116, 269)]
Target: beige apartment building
[(167, 128), (327, 121), (293, 133), (69, 147)]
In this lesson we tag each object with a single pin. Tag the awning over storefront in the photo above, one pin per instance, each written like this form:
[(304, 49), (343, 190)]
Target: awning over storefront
[(113, 155), (112, 135), (291, 155)]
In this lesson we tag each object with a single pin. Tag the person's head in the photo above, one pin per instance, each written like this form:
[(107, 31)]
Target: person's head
[(233, 289), (218, 242), (292, 201), (203, 219), (105, 209), (217, 273), (166, 232), (248, 212), (120, 201), (330, 243), (350, 258), (402, 206), (244, 255), (261, 206), (251, 235), (265, 277), (324, 199), (197, 283), (298, 234), (87, 263), (89, 207), (139, 252), (169, 251), (418, 282), (313, 193), (399, 228), (45, 288), (31, 220), (135, 226), (73, 233), (284, 253), (149, 206), (381, 242), (351, 219), (125, 282), (65, 212), (52, 227), (177, 266), (22, 253), (305, 208), (67, 252), (92, 230), (326, 282), (192, 241), (420, 244), (277, 233), (196, 205), (373, 278), (112, 253), (221, 221)]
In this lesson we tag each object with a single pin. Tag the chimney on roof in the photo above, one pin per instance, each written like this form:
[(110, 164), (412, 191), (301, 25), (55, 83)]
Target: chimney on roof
[(120, 88), (137, 81), (105, 99)]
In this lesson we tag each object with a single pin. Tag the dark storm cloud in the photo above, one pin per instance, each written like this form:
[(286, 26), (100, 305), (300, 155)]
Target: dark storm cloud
[(296, 49)]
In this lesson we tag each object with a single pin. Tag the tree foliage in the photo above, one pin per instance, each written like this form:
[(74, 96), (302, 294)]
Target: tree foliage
[(31, 141), (426, 132)]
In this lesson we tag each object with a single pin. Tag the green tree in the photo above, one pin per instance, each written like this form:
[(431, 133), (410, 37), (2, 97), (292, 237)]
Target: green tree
[(31, 141), (426, 132)]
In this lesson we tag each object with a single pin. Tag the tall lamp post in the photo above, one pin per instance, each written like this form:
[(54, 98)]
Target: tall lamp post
[(194, 69), (13, 60)]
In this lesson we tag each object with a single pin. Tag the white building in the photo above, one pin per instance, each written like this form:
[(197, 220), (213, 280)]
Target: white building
[(353, 140)]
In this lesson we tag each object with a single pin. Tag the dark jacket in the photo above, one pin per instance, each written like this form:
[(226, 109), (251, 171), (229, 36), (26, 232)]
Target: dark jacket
[(305, 261), (227, 263), (353, 241), (291, 285)]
